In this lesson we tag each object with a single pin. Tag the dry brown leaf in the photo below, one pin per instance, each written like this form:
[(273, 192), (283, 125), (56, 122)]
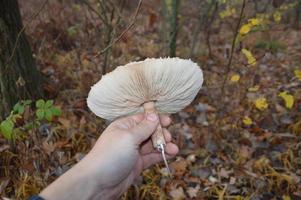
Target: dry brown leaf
[(193, 191), (177, 193), (225, 173), (179, 167), (65, 122), (48, 147)]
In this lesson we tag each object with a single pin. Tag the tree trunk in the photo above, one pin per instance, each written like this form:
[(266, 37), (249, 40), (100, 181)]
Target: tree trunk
[(170, 9), (174, 28), (19, 77)]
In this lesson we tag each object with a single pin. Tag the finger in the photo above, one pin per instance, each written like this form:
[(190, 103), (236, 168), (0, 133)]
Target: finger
[(128, 121), (154, 158), (145, 128), (171, 149), (165, 120), (148, 146)]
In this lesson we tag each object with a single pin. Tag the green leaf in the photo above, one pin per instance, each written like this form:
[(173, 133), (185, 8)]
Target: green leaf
[(27, 102), (48, 103), (40, 103), (6, 128), (16, 107), (40, 113), (21, 110), (56, 111), (48, 114)]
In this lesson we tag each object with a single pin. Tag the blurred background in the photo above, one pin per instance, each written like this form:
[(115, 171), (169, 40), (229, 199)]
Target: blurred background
[(239, 139)]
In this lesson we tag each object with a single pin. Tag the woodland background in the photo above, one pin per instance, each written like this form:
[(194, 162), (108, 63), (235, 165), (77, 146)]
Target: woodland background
[(239, 139)]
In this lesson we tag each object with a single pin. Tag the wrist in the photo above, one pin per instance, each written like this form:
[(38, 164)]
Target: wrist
[(71, 185), (83, 181), (79, 183)]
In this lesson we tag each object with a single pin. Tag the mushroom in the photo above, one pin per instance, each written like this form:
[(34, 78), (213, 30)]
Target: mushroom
[(163, 85)]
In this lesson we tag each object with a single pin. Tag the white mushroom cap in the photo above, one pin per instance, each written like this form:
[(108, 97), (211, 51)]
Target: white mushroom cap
[(171, 83)]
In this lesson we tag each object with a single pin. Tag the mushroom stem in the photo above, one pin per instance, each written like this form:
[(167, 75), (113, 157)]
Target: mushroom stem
[(158, 137)]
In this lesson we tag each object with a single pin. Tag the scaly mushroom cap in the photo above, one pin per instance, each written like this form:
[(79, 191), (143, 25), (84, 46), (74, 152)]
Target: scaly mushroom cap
[(171, 83)]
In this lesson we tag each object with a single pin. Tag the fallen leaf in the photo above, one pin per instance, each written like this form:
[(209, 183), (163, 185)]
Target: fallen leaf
[(229, 11), (4, 182), (179, 167), (254, 88), (288, 99), (286, 197), (225, 173), (297, 73), (247, 120), (212, 179), (177, 193), (254, 21), (245, 29), (251, 59), (261, 103), (262, 163), (48, 147), (234, 78), (65, 122), (245, 151), (232, 180), (193, 191), (277, 16)]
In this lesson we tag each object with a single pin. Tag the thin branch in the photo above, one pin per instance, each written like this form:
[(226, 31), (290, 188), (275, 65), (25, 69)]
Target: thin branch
[(104, 10), (96, 12), (233, 45), (123, 32), (23, 29)]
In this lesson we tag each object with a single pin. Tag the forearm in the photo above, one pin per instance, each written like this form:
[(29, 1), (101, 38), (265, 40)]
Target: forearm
[(78, 184), (71, 185)]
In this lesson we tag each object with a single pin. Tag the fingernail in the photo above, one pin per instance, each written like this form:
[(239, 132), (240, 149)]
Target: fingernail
[(152, 117)]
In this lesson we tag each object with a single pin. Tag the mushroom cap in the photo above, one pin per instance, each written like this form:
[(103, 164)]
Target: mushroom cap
[(171, 83)]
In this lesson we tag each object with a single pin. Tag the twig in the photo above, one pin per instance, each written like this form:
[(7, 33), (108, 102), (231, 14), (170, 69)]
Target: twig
[(233, 45), (123, 32), (96, 12), (23, 29), (208, 27)]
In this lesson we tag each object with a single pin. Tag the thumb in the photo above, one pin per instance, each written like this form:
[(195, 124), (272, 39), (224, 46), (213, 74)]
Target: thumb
[(145, 128)]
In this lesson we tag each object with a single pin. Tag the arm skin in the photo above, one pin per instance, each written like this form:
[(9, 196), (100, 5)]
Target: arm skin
[(119, 156)]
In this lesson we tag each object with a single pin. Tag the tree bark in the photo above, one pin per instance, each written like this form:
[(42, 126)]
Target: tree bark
[(19, 77), (170, 11)]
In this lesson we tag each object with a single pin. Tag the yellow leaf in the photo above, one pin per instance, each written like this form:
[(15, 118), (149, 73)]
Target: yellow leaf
[(297, 73), (254, 21), (277, 17), (235, 78), (288, 99), (261, 103), (247, 120), (249, 56), (286, 197), (245, 29), (227, 12), (253, 89)]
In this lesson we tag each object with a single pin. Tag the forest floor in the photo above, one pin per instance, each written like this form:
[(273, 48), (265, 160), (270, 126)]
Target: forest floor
[(232, 146)]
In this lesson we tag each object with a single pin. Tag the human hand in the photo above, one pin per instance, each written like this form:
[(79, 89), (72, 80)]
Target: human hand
[(119, 156)]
